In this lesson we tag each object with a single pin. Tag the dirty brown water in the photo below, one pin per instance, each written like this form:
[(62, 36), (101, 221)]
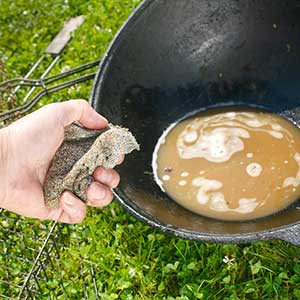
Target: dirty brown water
[(233, 164)]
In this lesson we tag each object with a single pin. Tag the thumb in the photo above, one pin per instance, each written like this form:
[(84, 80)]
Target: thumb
[(80, 110)]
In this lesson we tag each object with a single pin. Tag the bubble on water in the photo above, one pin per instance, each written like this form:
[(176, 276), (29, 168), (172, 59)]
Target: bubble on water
[(191, 136), (184, 174), (166, 178), (254, 169), (182, 182), (249, 155)]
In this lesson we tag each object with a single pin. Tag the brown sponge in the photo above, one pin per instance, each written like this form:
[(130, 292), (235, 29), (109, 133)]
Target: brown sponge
[(81, 152)]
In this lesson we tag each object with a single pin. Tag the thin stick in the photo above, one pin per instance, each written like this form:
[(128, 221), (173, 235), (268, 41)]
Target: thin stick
[(39, 255)]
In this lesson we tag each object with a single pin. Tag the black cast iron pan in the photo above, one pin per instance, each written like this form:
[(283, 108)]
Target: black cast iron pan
[(173, 57)]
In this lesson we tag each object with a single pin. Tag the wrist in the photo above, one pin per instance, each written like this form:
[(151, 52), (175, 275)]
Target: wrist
[(3, 165)]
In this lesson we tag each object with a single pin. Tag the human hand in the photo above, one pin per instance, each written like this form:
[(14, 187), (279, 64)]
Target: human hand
[(27, 148)]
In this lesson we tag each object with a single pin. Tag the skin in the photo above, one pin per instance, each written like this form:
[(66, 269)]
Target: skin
[(26, 150)]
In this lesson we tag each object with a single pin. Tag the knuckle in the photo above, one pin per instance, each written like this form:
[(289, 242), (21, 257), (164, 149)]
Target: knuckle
[(80, 215), (109, 195), (53, 107), (116, 179), (45, 217), (81, 103)]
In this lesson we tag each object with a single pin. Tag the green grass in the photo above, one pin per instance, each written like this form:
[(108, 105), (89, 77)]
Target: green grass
[(130, 259)]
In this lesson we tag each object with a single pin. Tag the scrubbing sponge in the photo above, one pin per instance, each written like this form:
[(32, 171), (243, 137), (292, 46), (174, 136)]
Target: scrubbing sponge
[(82, 151)]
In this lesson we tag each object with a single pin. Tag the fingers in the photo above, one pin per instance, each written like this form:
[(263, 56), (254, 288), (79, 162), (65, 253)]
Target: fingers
[(99, 192), (109, 177), (71, 210), (99, 195), (80, 110)]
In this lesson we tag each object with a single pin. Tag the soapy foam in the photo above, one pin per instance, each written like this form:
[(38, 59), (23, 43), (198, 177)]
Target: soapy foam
[(293, 181), (220, 143), (207, 193), (184, 174), (182, 182)]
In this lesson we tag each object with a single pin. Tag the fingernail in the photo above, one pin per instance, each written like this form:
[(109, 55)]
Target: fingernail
[(97, 118), (108, 176), (104, 175), (104, 118), (99, 192)]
